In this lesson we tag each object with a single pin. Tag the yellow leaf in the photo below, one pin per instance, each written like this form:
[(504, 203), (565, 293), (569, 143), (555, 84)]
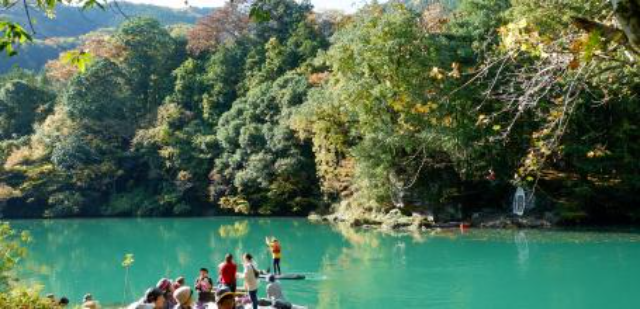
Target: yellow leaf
[(521, 24), (435, 73)]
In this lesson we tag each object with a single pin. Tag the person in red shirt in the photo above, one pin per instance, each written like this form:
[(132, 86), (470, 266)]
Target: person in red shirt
[(227, 271)]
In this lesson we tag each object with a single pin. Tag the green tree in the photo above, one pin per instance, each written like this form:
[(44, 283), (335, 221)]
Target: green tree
[(100, 94), (20, 106), (150, 58), (223, 76), (177, 150), (260, 157), (284, 16)]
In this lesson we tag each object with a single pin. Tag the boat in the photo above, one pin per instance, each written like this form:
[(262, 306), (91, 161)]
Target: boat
[(292, 276), (519, 202)]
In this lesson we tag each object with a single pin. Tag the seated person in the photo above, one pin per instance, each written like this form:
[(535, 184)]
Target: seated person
[(274, 293)]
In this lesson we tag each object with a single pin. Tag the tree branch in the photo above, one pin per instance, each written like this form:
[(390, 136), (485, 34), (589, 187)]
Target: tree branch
[(28, 13)]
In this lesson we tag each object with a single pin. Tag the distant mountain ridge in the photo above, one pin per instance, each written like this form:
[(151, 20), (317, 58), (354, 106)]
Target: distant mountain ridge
[(71, 22)]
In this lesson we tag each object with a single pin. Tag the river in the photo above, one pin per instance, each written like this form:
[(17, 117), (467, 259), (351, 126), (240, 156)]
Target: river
[(346, 268)]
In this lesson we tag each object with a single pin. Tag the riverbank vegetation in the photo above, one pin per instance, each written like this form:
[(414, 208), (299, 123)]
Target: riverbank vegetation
[(12, 293), (426, 106)]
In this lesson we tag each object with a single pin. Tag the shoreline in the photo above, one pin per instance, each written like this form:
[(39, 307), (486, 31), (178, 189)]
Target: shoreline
[(396, 222), (390, 223)]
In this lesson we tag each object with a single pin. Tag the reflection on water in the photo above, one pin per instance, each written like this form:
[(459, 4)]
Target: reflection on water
[(398, 254), (347, 268), (520, 239), (238, 229)]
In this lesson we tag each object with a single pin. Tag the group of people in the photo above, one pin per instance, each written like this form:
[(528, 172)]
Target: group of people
[(225, 294)]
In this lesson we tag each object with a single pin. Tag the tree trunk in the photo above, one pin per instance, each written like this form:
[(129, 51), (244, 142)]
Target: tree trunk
[(627, 13)]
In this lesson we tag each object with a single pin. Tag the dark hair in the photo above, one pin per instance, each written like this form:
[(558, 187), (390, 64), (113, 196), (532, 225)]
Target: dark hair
[(223, 293), (180, 280), (228, 258), (271, 278), (248, 256), (226, 298), (152, 295), (204, 269), (63, 301)]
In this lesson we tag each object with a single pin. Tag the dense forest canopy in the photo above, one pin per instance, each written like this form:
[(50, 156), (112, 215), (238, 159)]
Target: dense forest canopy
[(418, 105)]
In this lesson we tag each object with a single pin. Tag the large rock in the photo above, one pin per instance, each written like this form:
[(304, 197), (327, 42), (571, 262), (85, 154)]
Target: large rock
[(357, 222), (395, 220), (531, 223), (500, 223), (314, 217), (395, 213), (395, 225), (509, 221)]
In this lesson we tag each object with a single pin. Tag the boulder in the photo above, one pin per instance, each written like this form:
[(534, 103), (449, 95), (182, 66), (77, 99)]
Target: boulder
[(498, 222), (396, 222), (314, 217), (395, 225), (394, 213)]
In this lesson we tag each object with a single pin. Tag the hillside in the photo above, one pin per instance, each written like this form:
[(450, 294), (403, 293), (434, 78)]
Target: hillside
[(63, 32)]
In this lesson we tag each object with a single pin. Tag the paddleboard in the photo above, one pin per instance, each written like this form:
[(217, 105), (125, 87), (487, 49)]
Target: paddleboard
[(249, 306), (286, 276)]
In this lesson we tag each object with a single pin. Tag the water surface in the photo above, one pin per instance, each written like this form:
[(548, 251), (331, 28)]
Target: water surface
[(347, 268)]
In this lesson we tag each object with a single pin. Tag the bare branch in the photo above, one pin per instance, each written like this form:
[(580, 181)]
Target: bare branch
[(28, 13)]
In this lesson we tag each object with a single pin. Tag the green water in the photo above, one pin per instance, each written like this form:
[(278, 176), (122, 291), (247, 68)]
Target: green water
[(346, 268)]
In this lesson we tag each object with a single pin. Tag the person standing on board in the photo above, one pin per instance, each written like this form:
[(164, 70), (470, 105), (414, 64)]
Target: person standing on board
[(227, 271), (251, 276), (276, 252)]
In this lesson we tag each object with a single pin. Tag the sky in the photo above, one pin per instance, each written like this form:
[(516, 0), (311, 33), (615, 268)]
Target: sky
[(345, 5)]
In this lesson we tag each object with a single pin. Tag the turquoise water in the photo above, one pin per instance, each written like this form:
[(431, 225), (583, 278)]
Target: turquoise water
[(347, 268)]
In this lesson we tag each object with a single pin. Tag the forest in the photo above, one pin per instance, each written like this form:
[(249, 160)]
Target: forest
[(416, 105)]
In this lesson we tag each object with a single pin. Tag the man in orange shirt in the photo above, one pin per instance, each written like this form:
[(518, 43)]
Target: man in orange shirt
[(276, 252)]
